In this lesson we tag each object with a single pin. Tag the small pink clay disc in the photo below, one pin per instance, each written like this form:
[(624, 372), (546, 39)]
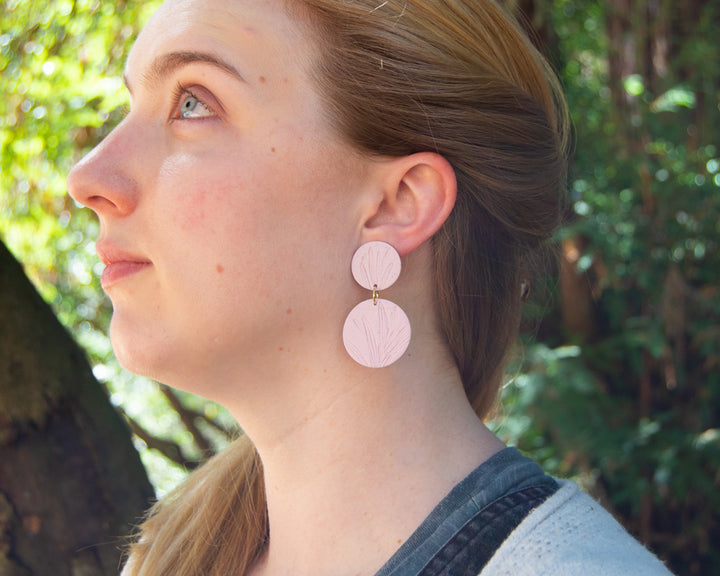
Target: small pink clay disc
[(376, 263), (376, 335)]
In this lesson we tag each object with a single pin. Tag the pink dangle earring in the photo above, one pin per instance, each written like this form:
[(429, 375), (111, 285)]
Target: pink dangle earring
[(377, 331)]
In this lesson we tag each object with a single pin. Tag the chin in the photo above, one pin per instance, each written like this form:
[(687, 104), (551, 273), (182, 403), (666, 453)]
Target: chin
[(155, 357), (137, 351)]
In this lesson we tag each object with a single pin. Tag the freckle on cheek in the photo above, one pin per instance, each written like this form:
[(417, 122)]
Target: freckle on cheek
[(272, 149), (288, 311), (220, 268), (261, 79)]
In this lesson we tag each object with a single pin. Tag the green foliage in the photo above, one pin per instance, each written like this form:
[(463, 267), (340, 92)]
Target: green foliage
[(631, 407), (59, 89)]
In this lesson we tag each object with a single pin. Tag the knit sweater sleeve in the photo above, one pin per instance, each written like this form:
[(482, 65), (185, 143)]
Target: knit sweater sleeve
[(571, 534)]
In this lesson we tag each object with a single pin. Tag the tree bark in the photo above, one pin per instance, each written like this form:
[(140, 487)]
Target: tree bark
[(71, 483)]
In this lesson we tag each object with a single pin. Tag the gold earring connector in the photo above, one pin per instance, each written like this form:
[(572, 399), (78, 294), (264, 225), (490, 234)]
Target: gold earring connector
[(375, 295)]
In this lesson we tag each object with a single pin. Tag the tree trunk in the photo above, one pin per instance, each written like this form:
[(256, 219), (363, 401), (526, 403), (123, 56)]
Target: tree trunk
[(71, 483)]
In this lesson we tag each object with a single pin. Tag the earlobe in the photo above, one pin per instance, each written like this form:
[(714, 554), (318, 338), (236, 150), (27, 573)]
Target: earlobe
[(418, 195)]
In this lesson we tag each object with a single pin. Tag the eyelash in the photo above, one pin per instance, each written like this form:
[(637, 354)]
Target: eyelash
[(180, 92)]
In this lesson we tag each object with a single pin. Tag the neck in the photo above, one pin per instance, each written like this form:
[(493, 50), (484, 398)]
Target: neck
[(354, 464)]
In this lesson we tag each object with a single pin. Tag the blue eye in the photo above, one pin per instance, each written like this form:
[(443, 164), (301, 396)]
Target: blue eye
[(192, 107)]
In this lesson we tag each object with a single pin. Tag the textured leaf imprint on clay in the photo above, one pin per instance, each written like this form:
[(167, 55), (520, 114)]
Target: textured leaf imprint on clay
[(376, 335), (376, 264)]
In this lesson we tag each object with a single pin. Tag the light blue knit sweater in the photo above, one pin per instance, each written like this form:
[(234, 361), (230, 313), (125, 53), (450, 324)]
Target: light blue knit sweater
[(572, 535)]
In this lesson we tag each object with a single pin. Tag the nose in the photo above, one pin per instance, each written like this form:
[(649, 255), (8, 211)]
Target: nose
[(103, 180)]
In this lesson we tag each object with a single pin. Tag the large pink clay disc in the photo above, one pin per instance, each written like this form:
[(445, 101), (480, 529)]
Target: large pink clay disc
[(376, 335), (376, 263)]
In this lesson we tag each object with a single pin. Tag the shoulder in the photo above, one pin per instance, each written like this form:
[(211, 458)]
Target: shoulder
[(570, 533)]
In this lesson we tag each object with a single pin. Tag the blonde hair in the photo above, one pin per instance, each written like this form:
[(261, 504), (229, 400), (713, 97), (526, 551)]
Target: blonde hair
[(215, 523), (455, 77)]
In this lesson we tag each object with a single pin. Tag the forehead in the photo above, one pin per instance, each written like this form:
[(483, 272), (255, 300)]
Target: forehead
[(249, 33)]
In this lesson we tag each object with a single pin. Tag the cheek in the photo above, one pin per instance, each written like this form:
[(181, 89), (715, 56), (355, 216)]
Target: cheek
[(213, 230), (201, 196)]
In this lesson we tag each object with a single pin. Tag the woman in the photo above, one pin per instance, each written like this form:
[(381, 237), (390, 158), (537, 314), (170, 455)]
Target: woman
[(267, 144)]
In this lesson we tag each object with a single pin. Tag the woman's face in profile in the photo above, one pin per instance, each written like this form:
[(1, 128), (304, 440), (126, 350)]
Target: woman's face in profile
[(224, 197)]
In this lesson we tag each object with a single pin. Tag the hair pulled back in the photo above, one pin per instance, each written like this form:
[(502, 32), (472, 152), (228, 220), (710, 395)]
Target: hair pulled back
[(456, 77), (461, 79)]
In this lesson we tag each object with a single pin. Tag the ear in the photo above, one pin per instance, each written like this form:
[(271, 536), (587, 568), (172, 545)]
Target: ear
[(418, 194)]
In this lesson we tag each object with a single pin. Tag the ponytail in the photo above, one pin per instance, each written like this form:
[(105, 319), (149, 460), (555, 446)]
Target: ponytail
[(214, 524)]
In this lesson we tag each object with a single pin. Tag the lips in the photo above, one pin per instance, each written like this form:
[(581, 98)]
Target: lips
[(119, 264)]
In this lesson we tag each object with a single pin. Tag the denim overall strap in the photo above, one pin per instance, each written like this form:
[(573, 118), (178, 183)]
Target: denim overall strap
[(475, 543)]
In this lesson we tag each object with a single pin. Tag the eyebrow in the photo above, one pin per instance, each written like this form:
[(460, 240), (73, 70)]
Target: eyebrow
[(168, 63)]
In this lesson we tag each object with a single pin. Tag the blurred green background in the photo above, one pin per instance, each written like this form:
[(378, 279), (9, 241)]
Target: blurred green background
[(618, 381)]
